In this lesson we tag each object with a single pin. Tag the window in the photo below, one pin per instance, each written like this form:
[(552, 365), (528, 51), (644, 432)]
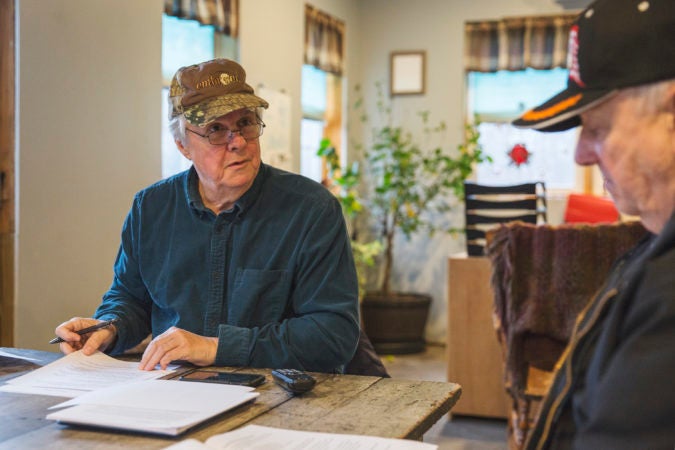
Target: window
[(322, 118), (498, 97), (321, 89), (185, 42), (311, 128)]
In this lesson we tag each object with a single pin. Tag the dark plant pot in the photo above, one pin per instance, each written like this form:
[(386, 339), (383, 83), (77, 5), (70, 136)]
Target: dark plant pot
[(395, 323)]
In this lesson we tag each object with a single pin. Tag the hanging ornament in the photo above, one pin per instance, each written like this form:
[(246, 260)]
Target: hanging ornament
[(519, 155)]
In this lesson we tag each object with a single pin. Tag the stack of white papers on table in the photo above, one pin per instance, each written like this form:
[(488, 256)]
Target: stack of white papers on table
[(255, 437), (75, 374), (153, 406)]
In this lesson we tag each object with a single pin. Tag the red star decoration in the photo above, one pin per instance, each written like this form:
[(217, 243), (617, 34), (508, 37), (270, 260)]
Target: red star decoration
[(519, 155)]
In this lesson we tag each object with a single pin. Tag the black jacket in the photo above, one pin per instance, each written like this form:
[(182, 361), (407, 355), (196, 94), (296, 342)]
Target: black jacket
[(615, 385)]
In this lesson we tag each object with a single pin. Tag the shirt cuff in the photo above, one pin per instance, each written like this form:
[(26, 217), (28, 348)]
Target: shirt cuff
[(116, 347), (233, 346)]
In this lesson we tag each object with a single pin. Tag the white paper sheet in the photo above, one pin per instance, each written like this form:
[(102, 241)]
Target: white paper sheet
[(155, 406), (255, 437), (162, 394), (75, 374)]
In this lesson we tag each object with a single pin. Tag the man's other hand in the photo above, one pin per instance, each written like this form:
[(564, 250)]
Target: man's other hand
[(177, 344)]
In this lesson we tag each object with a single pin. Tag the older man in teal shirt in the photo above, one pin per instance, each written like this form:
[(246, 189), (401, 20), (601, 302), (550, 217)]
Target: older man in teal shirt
[(231, 262)]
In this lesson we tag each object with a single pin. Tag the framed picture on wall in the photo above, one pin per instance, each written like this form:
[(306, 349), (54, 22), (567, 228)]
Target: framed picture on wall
[(407, 72)]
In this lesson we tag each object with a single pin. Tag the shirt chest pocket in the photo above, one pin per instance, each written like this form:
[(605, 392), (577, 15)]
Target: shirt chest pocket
[(258, 297)]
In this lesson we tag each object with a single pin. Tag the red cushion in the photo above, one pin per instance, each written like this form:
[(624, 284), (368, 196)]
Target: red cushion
[(583, 208)]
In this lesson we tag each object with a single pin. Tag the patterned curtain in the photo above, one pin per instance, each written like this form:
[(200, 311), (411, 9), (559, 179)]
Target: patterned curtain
[(222, 14), (324, 41), (517, 43)]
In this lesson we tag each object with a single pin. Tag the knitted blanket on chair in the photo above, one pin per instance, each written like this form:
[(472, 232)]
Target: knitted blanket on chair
[(542, 277)]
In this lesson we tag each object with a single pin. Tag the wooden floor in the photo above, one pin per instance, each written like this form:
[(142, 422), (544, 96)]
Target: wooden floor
[(460, 433)]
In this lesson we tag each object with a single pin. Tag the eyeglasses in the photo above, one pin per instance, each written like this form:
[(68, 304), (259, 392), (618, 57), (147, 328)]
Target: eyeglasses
[(221, 135)]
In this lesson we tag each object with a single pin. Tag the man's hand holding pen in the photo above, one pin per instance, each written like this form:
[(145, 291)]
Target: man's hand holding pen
[(72, 335)]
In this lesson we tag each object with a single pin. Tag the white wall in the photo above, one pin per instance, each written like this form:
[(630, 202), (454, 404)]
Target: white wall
[(437, 27), (89, 136), (89, 125)]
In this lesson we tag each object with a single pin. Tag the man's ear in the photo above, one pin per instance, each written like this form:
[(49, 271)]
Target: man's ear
[(182, 149)]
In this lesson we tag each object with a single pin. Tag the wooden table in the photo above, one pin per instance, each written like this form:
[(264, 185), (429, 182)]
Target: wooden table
[(350, 404)]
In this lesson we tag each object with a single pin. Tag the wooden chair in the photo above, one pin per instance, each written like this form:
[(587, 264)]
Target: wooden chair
[(542, 277), (366, 361), (487, 206)]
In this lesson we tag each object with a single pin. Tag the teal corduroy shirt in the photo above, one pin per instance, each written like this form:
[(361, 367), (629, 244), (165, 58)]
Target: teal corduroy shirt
[(273, 278)]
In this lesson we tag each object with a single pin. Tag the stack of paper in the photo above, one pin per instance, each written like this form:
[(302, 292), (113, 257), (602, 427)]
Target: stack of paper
[(76, 374), (256, 437), (154, 406)]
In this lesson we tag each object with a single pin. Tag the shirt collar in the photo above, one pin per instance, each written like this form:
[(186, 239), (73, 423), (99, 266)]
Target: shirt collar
[(247, 200), (665, 239)]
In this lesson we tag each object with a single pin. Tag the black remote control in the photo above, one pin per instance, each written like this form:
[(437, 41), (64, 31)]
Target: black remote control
[(293, 380)]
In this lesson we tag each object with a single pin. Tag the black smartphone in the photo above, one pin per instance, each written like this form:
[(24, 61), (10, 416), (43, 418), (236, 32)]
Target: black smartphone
[(211, 376)]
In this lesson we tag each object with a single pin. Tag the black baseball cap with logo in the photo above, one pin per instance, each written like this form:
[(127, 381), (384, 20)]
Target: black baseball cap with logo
[(613, 44)]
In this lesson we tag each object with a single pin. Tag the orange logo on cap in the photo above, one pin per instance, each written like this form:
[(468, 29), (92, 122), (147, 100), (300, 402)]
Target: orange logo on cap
[(210, 81), (533, 115), (222, 79)]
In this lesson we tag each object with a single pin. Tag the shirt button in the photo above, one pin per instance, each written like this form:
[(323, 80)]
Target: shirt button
[(219, 228)]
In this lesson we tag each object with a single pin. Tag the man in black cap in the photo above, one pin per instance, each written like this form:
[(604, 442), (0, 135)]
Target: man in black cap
[(232, 262), (613, 388)]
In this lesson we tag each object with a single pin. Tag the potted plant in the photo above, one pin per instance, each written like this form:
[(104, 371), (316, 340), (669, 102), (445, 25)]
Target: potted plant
[(407, 186)]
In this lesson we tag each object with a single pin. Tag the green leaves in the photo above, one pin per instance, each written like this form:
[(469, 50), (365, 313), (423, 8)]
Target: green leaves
[(410, 183), (406, 185), (346, 180)]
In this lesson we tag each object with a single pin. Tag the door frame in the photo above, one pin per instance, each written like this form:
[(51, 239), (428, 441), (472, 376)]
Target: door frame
[(7, 168)]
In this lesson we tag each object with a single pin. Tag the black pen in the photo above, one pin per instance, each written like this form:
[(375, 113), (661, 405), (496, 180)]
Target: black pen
[(98, 326)]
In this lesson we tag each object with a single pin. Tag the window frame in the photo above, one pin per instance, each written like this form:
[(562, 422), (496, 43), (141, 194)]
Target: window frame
[(172, 160)]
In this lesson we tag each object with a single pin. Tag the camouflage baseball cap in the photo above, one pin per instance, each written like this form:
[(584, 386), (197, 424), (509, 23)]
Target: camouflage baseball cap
[(203, 92)]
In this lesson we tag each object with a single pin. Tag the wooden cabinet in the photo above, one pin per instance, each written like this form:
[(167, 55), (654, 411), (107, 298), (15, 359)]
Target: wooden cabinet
[(474, 355)]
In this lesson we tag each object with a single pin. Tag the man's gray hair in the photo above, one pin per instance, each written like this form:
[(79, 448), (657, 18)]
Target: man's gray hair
[(177, 128), (652, 95)]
